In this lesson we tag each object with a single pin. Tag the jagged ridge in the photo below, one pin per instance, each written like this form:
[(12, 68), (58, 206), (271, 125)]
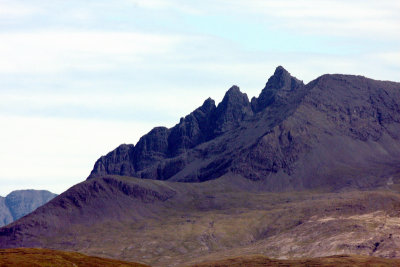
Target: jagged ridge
[(282, 136), (206, 123)]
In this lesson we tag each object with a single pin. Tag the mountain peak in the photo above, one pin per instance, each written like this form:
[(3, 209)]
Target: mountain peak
[(234, 95), (233, 89), (279, 70), (208, 105), (282, 80), (278, 86), (234, 107)]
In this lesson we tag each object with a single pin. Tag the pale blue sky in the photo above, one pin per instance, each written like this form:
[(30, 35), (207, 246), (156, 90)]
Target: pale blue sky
[(77, 78)]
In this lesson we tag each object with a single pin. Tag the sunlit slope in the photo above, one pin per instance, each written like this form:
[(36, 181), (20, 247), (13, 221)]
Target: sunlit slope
[(333, 261)]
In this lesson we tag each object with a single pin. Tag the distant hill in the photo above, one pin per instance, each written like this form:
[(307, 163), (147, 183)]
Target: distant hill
[(21, 202)]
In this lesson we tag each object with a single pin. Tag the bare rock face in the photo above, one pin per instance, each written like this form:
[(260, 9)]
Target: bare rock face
[(283, 136), (234, 108), (278, 89), (117, 161)]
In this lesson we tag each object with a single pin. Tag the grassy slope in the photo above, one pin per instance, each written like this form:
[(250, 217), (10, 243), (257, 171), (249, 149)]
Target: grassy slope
[(33, 257), (261, 261), (215, 220), (214, 224)]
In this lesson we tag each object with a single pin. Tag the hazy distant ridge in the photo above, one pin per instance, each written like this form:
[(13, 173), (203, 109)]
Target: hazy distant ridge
[(21, 202)]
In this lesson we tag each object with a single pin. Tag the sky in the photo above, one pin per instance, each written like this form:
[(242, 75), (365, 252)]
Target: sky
[(78, 78)]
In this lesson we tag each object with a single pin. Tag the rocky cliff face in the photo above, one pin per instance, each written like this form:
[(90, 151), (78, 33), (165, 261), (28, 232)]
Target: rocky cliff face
[(286, 133), (163, 153), (21, 202)]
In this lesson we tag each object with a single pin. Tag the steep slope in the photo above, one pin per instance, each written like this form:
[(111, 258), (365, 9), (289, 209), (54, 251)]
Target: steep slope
[(293, 136), (21, 202)]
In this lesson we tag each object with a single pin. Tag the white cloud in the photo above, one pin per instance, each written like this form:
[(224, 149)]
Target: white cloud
[(326, 17), (181, 6), (392, 58), (153, 3), (145, 104), (16, 10), (58, 51)]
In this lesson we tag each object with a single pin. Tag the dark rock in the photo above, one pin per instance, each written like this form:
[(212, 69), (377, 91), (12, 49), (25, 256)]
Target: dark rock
[(192, 130), (233, 109), (150, 148), (118, 161), (278, 88), (336, 122)]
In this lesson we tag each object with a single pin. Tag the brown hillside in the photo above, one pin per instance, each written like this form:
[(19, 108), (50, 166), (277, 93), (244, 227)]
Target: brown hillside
[(332, 261), (34, 257)]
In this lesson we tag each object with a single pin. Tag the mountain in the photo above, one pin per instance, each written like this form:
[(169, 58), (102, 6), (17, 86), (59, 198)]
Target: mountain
[(5, 214), (303, 170), (21, 202), (294, 136), (162, 223)]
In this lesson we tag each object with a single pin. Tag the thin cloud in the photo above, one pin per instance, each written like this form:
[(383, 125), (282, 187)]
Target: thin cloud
[(325, 17), (16, 10), (56, 51)]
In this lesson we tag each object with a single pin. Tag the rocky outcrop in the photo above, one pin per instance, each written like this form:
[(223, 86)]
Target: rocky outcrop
[(117, 161), (21, 202), (162, 152), (233, 109), (278, 89)]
